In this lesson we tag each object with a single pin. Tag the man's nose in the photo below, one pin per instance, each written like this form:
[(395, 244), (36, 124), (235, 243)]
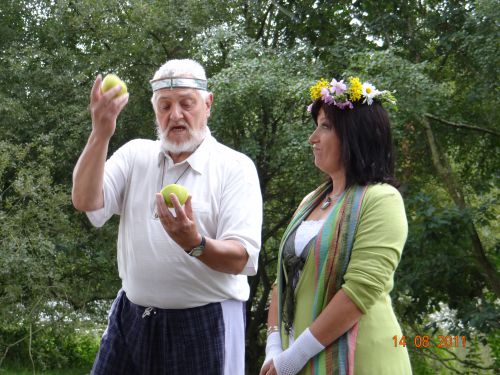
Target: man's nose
[(176, 113)]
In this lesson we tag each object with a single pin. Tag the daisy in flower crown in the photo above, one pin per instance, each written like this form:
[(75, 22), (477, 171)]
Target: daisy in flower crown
[(344, 95)]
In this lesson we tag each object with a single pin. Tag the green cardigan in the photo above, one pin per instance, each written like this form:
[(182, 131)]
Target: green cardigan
[(377, 248)]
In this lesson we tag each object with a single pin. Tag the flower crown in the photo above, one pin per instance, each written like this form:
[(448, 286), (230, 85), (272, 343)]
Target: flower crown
[(344, 95)]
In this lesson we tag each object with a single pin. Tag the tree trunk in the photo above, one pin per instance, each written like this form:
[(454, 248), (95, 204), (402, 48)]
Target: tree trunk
[(444, 170)]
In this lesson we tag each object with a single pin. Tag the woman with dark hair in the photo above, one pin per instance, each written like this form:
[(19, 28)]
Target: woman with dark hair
[(330, 311)]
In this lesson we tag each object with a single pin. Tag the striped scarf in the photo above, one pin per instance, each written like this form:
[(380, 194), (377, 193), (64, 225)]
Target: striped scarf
[(332, 252)]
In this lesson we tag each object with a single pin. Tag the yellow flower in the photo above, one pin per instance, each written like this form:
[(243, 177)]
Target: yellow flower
[(315, 90), (355, 89)]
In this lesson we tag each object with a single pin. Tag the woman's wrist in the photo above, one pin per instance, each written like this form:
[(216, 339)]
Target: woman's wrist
[(292, 360), (272, 329), (273, 346)]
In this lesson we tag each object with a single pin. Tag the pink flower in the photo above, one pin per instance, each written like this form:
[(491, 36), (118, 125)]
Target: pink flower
[(338, 87), (325, 95), (343, 105), (329, 99)]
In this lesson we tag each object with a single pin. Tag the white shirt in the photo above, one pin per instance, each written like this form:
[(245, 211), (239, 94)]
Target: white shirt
[(227, 205), (305, 232)]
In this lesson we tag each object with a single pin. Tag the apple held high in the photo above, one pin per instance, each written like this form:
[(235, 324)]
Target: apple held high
[(110, 81)]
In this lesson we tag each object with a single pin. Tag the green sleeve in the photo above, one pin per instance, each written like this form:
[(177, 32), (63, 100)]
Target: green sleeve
[(377, 247)]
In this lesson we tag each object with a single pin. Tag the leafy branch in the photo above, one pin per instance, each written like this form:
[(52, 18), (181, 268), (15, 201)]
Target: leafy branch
[(462, 126)]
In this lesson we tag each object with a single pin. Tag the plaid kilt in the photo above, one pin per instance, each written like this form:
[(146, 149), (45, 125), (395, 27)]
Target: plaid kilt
[(151, 341)]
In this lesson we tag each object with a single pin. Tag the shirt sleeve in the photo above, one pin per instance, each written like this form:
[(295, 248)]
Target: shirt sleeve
[(116, 171), (240, 216), (377, 248)]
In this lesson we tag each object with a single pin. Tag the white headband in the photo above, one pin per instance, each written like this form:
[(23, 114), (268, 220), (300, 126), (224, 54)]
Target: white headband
[(172, 82)]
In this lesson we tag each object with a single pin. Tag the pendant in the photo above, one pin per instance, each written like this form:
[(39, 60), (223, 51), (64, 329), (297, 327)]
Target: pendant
[(326, 203)]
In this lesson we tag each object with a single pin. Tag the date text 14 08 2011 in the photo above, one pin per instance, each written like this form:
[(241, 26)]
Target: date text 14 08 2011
[(426, 341)]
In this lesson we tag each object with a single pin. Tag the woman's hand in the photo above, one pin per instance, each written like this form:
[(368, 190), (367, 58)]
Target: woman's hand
[(268, 368), (292, 360), (273, 349)]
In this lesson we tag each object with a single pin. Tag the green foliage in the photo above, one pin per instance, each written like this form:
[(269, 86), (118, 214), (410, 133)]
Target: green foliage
[(47, 257), (437, 267), (21, 370), (49, 346)]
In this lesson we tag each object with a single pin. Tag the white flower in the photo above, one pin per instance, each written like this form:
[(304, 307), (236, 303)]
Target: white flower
[(369, 92)]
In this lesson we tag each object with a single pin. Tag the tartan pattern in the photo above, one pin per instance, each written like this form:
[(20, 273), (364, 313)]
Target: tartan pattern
[(184, 341)]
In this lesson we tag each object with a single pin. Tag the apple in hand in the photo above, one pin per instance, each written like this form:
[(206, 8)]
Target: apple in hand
[(179, 190), (110, 81)]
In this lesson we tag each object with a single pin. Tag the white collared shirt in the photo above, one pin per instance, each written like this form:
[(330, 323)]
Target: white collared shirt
[(227, 205)]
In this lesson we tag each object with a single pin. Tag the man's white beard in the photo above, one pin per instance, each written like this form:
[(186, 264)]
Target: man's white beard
[(194, 140)]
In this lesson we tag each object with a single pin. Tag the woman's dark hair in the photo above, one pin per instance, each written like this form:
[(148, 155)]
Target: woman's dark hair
[(365, 137)]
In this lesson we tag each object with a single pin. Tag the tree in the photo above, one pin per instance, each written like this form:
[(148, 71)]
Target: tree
[(261, 56)]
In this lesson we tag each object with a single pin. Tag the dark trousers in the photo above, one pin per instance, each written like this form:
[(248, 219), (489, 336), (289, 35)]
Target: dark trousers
[(150, 341)]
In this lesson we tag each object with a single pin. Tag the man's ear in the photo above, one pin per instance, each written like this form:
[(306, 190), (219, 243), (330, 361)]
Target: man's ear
[(208, 102)]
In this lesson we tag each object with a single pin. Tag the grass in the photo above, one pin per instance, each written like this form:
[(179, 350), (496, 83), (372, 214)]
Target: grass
[(29, 371)]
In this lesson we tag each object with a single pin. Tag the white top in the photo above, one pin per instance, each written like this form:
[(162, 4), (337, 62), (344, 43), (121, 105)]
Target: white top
[(305, 232), (227, 205)]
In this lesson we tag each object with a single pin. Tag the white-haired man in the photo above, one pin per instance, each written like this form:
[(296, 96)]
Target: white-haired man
[(183, 270)]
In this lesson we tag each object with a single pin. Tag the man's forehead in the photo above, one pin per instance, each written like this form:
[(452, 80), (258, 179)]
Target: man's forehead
[(176, 93)]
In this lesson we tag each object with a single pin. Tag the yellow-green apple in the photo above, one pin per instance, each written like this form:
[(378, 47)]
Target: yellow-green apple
[(179, 190), (110, 81)]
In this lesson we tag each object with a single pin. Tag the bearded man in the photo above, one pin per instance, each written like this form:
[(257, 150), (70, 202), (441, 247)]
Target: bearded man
[(183, 269)]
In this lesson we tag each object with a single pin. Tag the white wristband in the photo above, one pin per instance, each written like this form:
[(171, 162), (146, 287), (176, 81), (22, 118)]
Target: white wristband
[(273, 346), (292, 360)]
